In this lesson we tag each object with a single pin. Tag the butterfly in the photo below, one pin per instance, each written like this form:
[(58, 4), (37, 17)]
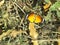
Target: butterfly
[(32, 17)]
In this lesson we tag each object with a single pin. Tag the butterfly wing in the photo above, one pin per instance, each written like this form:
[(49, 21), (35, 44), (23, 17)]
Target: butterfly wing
[(31, 17), (38, 19)]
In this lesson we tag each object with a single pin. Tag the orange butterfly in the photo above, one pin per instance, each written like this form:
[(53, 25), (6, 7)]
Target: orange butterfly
[(32, 17)]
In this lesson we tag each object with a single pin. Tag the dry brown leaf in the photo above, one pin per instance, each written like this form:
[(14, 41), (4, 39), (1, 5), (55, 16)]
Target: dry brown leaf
[(1, 3), (32, 30), (33, 33), (14, 33), (35, 42), (46, 7), (58, 41), (5, 34)]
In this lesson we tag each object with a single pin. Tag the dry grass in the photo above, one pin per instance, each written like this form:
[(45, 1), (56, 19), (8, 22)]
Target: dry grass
[(17, 30)]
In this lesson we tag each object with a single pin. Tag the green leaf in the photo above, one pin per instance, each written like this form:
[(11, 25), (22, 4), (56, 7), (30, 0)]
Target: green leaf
[(47, 18), (47, 1), (58, 14), (55, 6)]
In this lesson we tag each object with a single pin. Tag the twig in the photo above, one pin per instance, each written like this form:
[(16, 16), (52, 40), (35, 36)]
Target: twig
[(19, 8)]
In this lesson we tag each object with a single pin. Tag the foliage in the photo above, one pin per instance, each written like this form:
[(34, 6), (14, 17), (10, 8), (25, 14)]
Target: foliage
[(15, 29)]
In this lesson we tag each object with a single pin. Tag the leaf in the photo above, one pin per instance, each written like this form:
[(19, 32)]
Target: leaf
[(35, 42), (32, 30), (47, 1), (5, 34), (5, 15), (1, 3), (58, 14), (48, 17), (59, 41), (55, 6)]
